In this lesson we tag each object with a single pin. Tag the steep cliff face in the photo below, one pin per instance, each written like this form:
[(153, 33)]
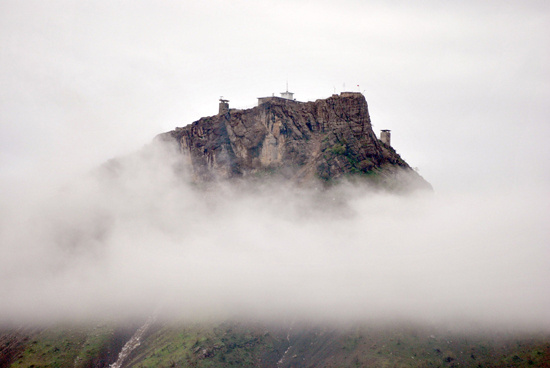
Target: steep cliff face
[(327, 139)]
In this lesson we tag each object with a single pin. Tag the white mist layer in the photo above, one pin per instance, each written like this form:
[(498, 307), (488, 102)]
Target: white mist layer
[(113, 246)]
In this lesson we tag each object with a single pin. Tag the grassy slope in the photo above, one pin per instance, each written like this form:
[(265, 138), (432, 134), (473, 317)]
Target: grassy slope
[(204, 345), (62, 346), (233, 345), (238, 345)]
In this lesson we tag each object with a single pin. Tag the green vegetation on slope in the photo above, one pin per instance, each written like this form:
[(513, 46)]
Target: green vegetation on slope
[(232, 344), (65, 347), (222, 345), (238, 345)]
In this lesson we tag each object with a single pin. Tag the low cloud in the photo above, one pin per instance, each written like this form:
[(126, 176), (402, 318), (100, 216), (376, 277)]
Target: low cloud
[(134, 237)]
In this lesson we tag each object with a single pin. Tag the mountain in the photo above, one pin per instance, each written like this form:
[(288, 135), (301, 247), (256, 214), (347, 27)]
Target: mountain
[(328, 140)]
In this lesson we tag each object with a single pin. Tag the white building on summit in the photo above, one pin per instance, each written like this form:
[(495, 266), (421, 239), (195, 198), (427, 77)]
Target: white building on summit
[(284, 96), (287, 95)]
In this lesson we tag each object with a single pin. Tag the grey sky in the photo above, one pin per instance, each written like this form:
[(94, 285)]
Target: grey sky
[(463, 87)]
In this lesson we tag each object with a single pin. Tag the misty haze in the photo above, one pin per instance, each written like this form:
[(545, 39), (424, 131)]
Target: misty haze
[(135, 236), (299, 184)]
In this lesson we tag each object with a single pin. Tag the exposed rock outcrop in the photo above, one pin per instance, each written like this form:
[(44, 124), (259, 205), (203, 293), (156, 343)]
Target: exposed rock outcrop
[(327, 139)]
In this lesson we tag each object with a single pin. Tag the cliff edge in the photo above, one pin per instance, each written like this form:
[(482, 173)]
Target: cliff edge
[(329, 139)]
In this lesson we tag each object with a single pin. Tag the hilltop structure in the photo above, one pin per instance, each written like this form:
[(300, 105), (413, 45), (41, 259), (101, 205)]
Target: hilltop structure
[(385, 136), (224, 106), (289, 96)]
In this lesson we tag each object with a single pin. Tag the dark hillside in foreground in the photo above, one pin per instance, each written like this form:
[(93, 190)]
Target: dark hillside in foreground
[(255, 345)]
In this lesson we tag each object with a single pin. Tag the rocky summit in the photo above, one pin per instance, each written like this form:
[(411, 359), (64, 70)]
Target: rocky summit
[(328, 139)]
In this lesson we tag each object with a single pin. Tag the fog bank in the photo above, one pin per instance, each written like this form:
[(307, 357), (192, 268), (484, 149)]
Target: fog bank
[(134, 236)]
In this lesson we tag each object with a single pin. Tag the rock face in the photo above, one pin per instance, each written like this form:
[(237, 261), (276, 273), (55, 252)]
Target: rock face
[(328, 139)]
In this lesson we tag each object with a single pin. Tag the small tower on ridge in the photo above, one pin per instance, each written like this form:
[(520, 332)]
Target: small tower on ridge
[(224, 106), (385, 136)]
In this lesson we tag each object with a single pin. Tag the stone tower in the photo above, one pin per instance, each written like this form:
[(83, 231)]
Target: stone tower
[(224, 106), (385, 136)]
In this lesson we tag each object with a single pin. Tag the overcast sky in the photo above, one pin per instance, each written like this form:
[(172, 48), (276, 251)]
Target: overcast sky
[(464, 87)]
